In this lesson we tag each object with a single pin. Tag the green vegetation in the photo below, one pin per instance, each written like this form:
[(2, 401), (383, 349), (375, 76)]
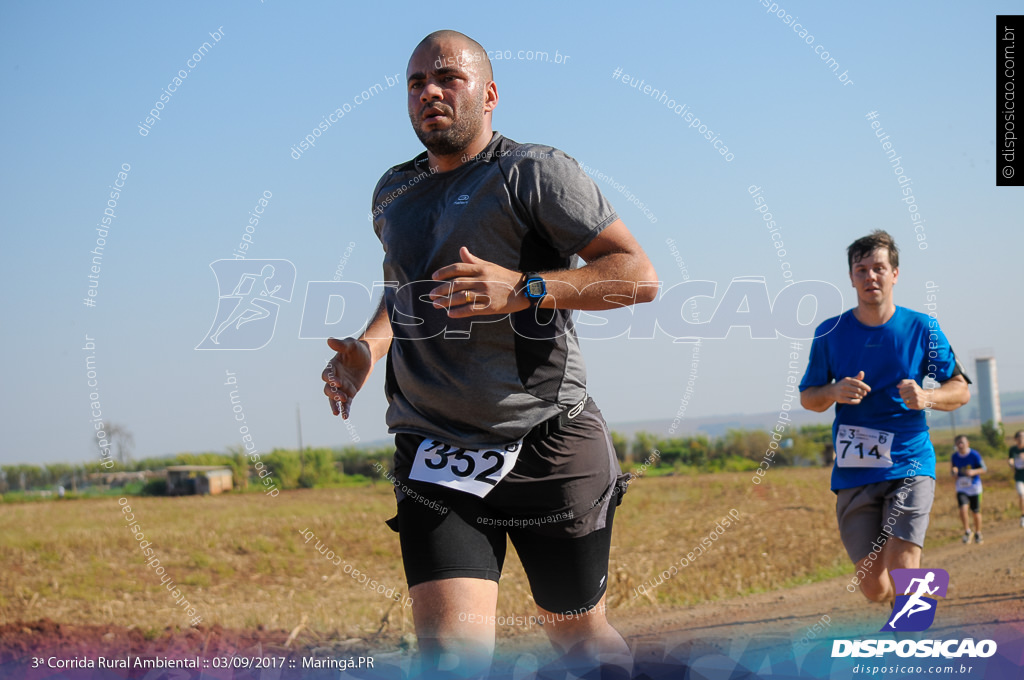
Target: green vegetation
[(736, 451), (994, 435), (314, 468), (646, 454), (989, 440)]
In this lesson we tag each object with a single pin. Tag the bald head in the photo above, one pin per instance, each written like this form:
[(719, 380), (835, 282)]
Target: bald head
[(460, 49), (451, 96)]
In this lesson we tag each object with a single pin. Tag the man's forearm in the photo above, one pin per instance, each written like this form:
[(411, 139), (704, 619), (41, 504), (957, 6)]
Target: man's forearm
[(611, 281), (818, 398), (378, 333), (950, 395)]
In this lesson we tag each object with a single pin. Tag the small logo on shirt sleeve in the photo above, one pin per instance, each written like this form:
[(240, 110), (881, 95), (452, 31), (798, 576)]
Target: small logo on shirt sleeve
[(462, 200)]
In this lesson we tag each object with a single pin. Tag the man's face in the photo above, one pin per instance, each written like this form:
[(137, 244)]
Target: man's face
[(447, 96), (963, 446), (874, 277)]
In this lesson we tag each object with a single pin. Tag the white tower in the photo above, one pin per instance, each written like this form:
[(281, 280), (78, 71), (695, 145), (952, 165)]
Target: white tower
[(988, 390)]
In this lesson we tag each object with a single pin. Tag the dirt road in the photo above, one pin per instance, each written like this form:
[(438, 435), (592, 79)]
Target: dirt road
[(770, 633)]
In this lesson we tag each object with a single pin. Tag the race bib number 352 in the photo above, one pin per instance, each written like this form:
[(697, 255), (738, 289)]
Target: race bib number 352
[(469, 470), (863, 447)]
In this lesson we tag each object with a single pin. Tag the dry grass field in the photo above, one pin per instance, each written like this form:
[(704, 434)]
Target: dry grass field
[(241, 561)]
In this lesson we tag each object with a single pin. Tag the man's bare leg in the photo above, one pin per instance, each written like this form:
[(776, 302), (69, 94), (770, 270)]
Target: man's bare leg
[(588, 641), (455, 626), (896, 554), (964, 518)]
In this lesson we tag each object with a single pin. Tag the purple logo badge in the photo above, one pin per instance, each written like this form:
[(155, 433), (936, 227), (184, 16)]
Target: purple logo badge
[(916, 590)]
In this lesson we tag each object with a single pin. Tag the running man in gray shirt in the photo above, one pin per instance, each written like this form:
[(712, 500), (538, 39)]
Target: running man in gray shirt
[(495, 435)]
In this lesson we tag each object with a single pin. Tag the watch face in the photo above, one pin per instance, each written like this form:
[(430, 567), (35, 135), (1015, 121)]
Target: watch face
[(535, 288)]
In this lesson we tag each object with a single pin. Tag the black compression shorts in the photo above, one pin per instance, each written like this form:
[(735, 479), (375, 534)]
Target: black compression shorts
[(556, 506), (974, 501)]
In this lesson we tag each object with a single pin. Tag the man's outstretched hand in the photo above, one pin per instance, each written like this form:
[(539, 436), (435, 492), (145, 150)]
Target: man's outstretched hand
[(346, 373)]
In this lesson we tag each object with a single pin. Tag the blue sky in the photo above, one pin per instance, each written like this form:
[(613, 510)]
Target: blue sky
[(79, 80)]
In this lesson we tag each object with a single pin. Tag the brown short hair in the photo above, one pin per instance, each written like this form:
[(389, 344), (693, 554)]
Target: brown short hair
[(957, 439), (866, 245)]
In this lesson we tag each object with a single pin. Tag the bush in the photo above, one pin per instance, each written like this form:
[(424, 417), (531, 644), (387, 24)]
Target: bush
[(154, 487), (994, 435)]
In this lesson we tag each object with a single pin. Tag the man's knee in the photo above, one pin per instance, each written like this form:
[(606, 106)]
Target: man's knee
[(567, 629), (875, 592), (875, 587), (902, 554)]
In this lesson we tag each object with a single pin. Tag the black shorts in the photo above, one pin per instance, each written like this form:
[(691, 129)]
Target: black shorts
[(974, 501), (556, 506)]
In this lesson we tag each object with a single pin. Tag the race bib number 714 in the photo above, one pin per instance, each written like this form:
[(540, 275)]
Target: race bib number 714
[(863, 447), (469, 470)]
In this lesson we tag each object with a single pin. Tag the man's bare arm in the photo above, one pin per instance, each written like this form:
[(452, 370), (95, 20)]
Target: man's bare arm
[(952, 394), (818, 398), (348, 371), (849, 390), (378, 333), (949, 396), (615, 265)]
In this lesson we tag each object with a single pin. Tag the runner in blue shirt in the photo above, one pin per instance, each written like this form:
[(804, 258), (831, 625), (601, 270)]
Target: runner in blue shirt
[(967, 467), (871, 362)]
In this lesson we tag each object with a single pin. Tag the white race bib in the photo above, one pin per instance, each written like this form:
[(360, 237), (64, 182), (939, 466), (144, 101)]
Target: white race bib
[(472, 471), (965, 483), (863, 447)]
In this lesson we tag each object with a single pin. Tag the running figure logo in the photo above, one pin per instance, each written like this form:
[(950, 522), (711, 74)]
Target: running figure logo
[(914, 610), (247, 316)]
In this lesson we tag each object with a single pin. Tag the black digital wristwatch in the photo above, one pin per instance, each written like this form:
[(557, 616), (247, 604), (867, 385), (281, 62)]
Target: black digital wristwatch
[(535, 288)]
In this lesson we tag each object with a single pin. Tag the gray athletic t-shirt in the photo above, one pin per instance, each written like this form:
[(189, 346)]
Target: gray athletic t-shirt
[(488, 380)]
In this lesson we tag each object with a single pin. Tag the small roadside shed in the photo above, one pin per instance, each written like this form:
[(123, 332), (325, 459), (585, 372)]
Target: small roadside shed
[(184, 480)]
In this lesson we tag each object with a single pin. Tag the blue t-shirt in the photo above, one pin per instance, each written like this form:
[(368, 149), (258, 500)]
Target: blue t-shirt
[(908, 345), (972, 461)]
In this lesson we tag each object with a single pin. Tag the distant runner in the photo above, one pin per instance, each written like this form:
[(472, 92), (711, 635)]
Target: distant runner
[(1017, 463), (871, 362), (967, 468)]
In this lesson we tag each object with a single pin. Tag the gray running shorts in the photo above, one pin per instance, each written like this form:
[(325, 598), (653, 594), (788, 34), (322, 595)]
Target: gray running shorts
[(868, 515)]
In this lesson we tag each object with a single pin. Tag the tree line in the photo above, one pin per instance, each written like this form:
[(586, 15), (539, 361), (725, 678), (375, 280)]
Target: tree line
[(738, 449)]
